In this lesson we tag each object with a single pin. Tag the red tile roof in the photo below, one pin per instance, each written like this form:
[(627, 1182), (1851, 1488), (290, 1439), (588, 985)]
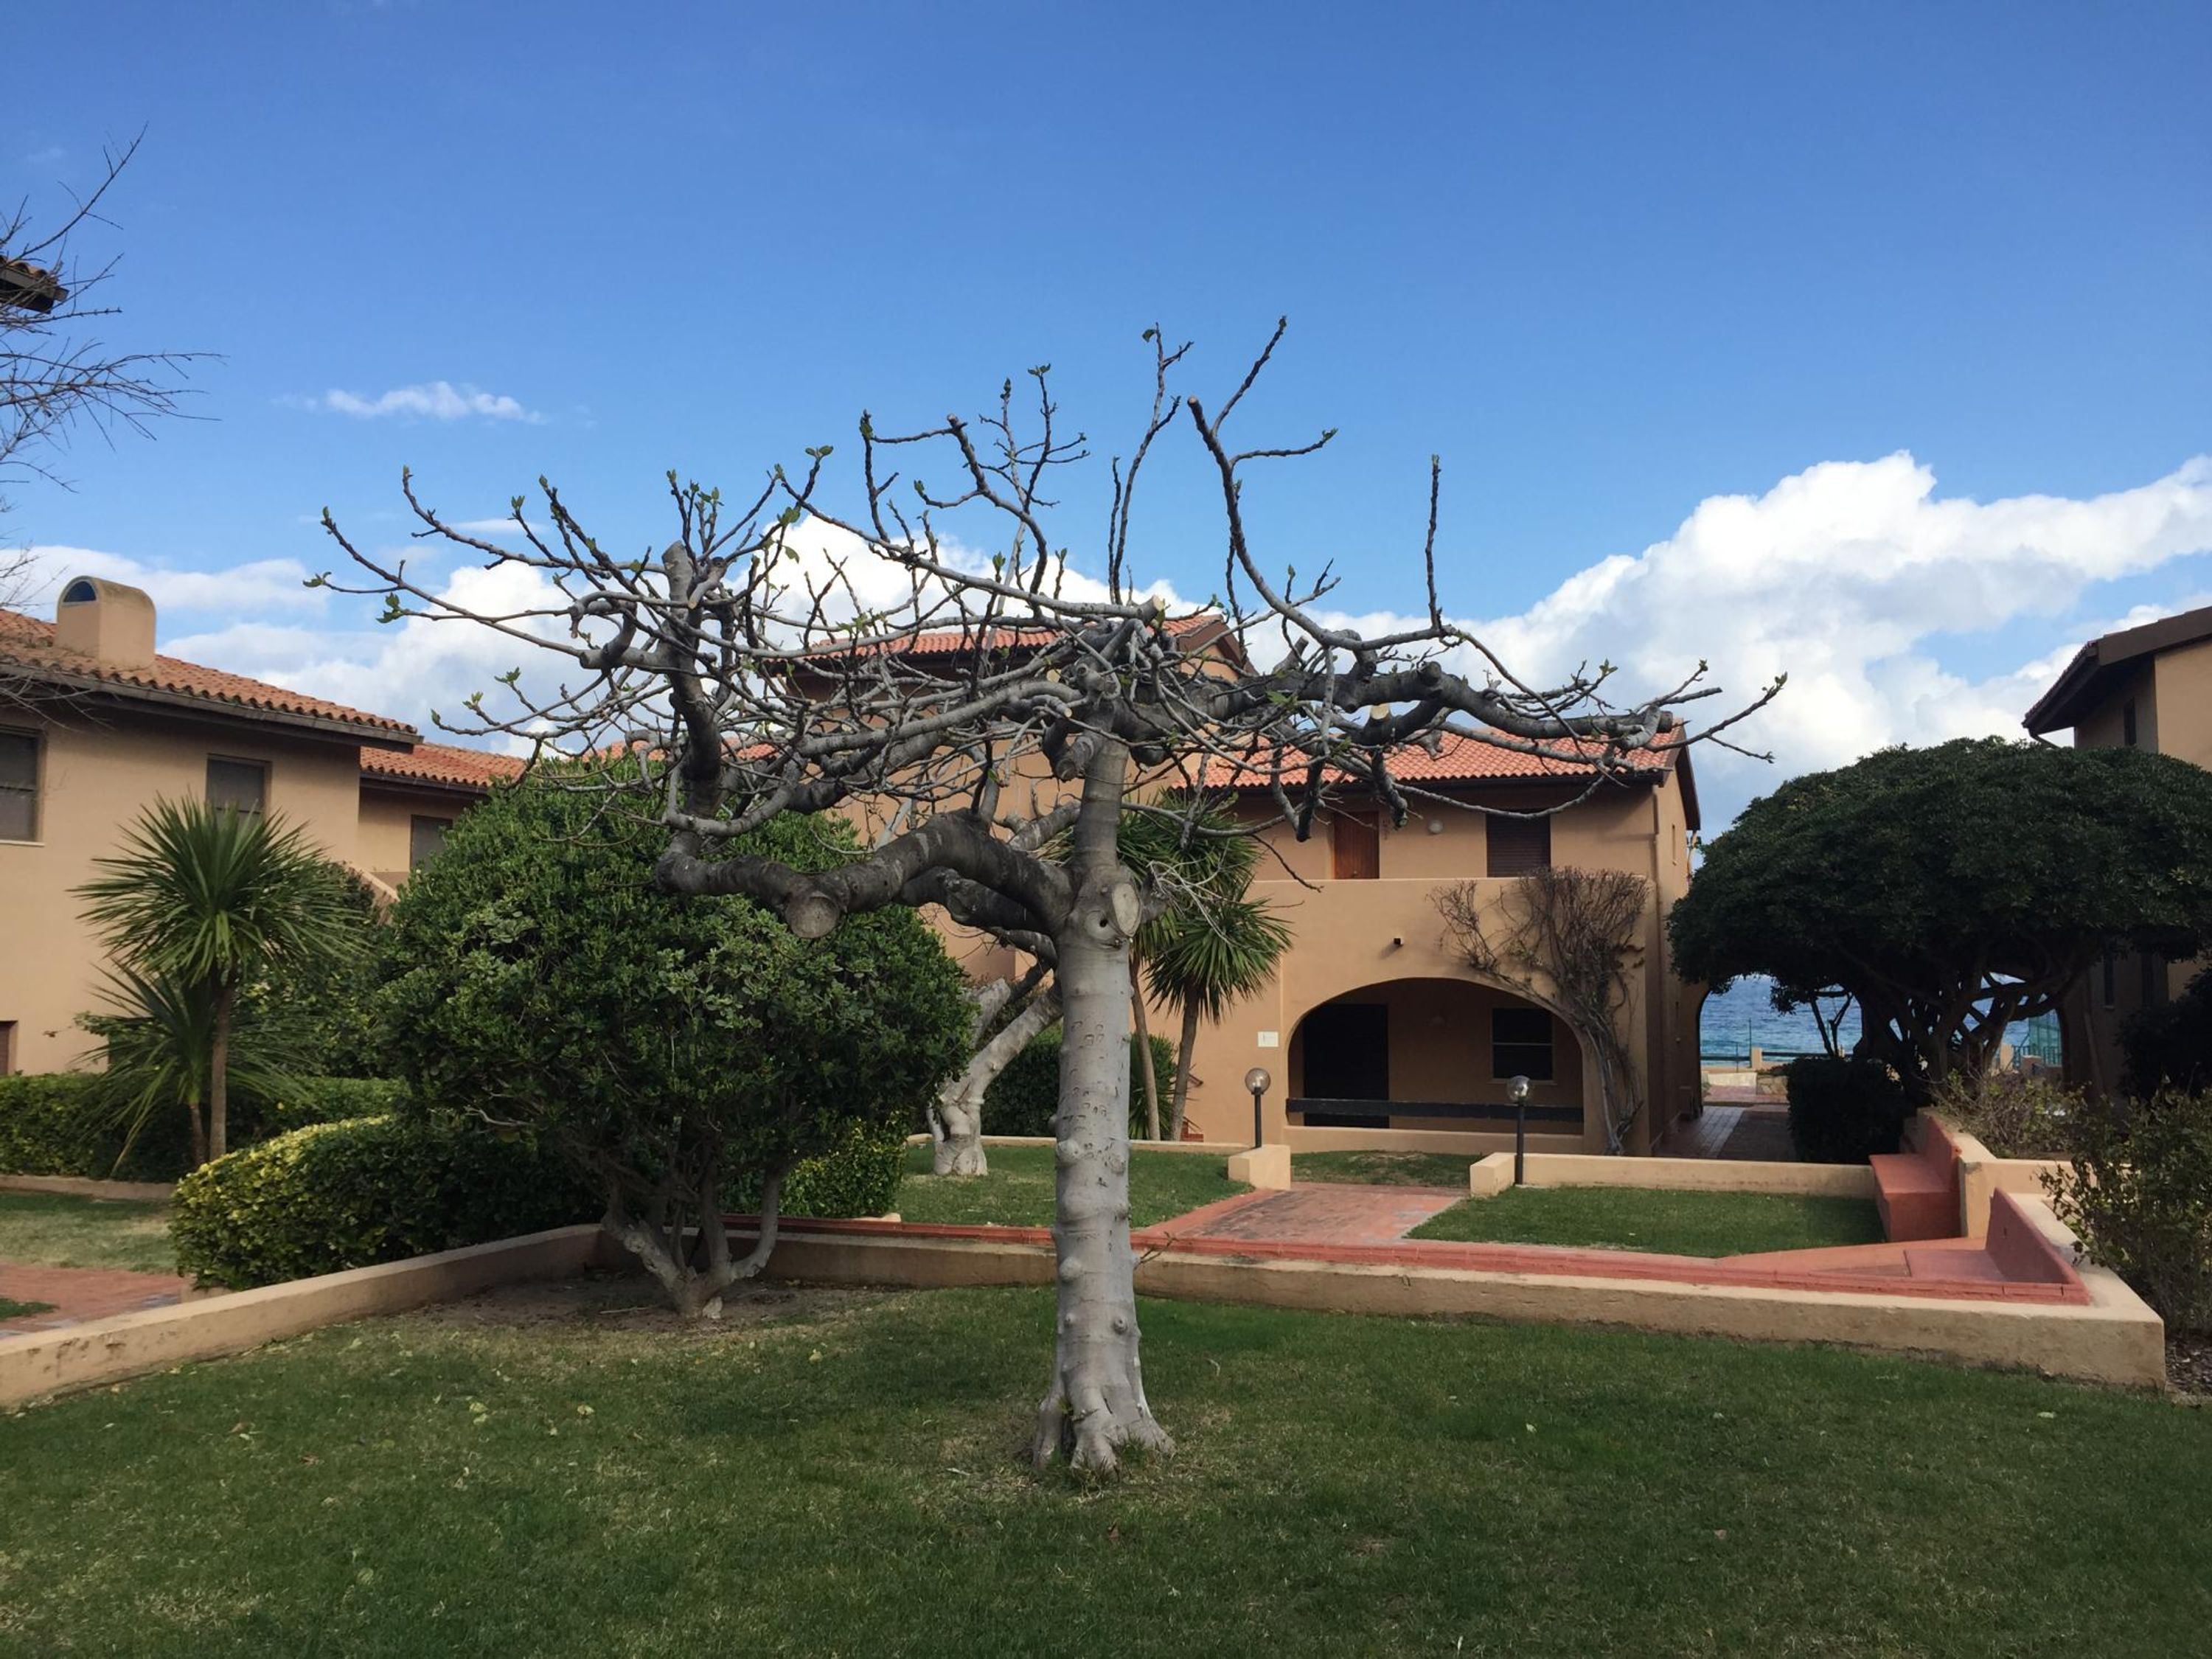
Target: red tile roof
[(1467, 760), (441, 764), (1194, 632), (29, 643)]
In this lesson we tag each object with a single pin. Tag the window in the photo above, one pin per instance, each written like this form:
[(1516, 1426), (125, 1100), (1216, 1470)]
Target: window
[(242, 786), (7, 1046), (1355, 852), (19, 786), (425, 839), (1521, 1042), (1518, 846), (2128, 722)]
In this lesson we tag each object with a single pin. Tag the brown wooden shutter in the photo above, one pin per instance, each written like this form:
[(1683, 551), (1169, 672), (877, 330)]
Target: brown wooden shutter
[(1519, 845), (1355, 848)]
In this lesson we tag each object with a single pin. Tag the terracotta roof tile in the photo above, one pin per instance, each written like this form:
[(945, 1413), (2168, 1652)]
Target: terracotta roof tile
[(28, 642), (441, 763), (1466, 759)]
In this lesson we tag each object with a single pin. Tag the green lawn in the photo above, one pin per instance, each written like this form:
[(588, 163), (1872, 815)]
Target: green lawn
[(1673, 1224), (838, 1473), (1384, 1169), (17, 1310), (52, 1230), (1017, 1193)]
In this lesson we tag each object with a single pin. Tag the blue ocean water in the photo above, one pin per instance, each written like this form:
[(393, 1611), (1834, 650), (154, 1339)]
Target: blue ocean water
[(1742, 1017)]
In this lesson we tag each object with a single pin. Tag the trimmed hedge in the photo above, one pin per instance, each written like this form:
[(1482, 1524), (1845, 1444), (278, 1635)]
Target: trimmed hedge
[(860, 1177), (50, 1123), (1844, 1111), (1026, 1096), (2138, 1191), (352, 1193)]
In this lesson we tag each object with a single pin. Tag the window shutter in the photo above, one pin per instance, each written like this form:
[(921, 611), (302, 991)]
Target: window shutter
[(1519, 845)]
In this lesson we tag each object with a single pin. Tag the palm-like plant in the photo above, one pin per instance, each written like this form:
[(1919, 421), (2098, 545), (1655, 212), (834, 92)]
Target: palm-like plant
[(208, 900), (1213, 946)]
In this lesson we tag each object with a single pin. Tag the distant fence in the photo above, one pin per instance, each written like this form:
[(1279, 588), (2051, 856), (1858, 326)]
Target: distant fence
[(2036, 1039)]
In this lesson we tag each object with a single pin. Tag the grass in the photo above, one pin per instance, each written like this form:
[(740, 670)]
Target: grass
[(1018, 1192), (1383, 1168), (804, 1481), (52, 1230), (12, 1309), (1670, 1223)]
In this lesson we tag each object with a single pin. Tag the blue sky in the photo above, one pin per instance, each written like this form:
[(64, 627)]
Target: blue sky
[(1612, 263)]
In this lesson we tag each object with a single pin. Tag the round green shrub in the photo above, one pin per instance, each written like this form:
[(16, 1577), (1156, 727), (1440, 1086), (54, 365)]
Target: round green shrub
[(858, 1176), (1025, 1097), (1845, 1111), (349, 1194), (54, 1123)]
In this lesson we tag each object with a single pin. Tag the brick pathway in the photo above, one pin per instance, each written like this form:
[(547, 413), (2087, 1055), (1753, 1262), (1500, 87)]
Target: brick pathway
[(81, 1293), (1321, 1212), (1759, 1133)]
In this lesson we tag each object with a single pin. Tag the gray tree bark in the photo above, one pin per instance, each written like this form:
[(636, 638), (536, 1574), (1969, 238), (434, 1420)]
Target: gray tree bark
[(1096, 1406), (959, 1120)]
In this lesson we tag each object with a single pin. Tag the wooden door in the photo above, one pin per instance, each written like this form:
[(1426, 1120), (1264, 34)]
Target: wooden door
[(1354, 848)]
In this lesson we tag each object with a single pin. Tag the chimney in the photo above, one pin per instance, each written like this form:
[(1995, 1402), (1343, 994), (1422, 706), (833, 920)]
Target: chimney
[(105, 621)]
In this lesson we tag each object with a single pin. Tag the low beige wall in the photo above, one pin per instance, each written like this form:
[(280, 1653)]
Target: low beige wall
[(1474, 1143), (137, 1192), (1216, 1148), (1268, 1168), (105, 1350), (2114, 1340), (1713, 1175), (1982, 1173)]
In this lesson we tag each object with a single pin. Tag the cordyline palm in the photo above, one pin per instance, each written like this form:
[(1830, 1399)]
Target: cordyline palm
[(1212, 946), (211, 899)]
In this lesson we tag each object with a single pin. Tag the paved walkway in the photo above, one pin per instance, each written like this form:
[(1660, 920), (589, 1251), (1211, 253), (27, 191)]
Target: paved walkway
[(81, 1293), (1321, 1213), (1756, 1134)]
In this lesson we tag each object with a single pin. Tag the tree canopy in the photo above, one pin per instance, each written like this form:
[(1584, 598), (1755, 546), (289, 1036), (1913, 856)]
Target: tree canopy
[(1953, 890), (674, 1050)]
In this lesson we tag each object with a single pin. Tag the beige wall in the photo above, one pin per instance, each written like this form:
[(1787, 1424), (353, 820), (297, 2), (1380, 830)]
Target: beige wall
[(96, 777), (1355, 935), (2172, 695), (385, 838)]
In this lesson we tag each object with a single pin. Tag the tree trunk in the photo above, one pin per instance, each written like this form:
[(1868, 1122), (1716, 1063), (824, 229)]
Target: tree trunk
[(1145, 1067), (958, 1129), (196, 1121), (1184, 1049), (1095, 1405), (695, 1291), (218, 1136)]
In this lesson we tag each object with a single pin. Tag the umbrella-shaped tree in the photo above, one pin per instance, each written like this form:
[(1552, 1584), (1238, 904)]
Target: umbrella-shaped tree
[(211, 900)]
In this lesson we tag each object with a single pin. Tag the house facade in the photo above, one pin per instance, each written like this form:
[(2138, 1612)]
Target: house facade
[(95, 726), (1377, 1033), (2141, 688)]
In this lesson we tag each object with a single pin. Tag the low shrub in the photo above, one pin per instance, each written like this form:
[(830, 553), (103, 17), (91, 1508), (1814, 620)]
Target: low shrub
[(1844, 1111), (349, 1194), (2138, 1193), (53, 1123), (2013, 1117), (2170, 1046), (860, 1177), (1026, 1096)]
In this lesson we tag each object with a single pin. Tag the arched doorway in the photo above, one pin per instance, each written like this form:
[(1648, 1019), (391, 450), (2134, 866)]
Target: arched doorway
[(1434, 1054)]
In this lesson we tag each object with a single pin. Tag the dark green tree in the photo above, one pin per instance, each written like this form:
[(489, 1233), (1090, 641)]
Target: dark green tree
[(1953, 889), (676, 1051)]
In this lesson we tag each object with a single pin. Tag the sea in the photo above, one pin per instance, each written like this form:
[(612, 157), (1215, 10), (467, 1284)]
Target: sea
[(1742, 1018)]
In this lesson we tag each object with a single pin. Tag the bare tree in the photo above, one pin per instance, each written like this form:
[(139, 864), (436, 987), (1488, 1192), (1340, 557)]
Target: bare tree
[(56, 372), (1563, 939), (763, 684)]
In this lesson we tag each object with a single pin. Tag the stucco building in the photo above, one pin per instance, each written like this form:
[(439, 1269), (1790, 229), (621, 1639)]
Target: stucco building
[(1377, 1033), (95, 726), (2144, 688)]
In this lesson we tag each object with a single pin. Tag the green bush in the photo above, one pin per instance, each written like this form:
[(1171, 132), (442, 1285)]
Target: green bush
[(2170, 1046), (368, 1190), (2138, 1193), (53, 1123), (1026, 1096), (858, 1176), (2013, 1116), (1844, 1111)]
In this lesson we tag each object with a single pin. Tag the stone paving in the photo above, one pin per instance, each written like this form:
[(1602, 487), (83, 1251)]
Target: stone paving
[(1321, 1213), (81, 1293)]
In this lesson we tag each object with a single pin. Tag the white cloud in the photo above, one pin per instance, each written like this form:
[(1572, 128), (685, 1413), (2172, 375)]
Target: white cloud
[(433, 400), (261, 585)]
